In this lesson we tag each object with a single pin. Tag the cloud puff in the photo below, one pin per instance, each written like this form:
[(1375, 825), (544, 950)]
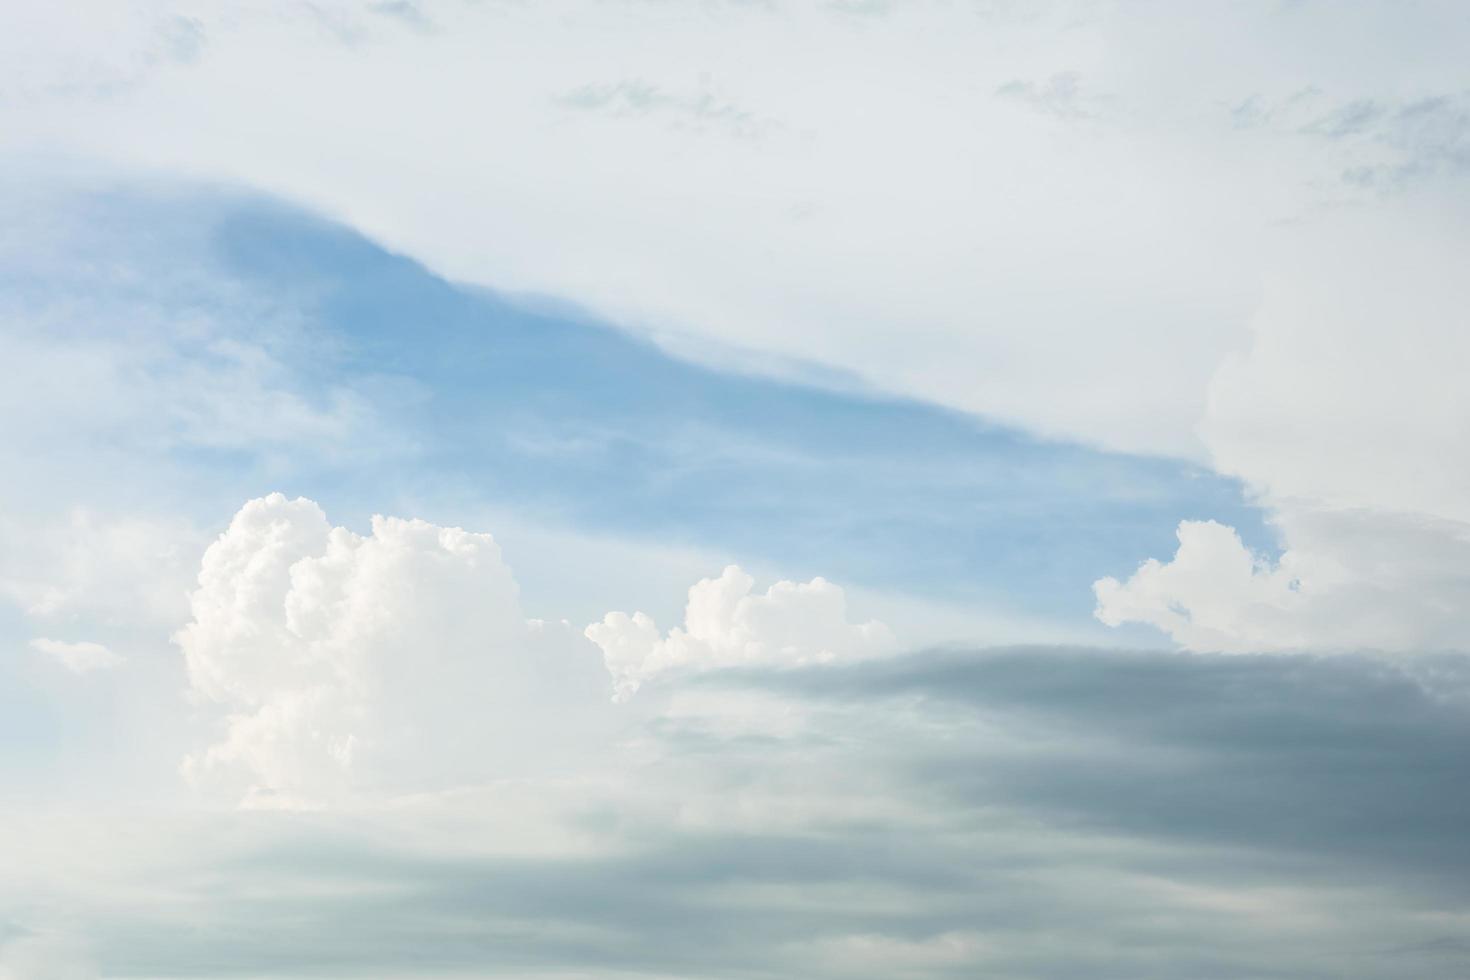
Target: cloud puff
[(79, 658), (1200, 598), (392, 661), (726, 625), (1349, 580)]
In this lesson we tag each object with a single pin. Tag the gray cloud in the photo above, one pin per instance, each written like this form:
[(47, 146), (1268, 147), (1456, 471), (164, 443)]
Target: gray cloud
[(1339, 760), (1038, 813)]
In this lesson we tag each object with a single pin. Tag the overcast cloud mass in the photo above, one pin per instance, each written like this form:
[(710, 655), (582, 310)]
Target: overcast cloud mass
[(600, 488)]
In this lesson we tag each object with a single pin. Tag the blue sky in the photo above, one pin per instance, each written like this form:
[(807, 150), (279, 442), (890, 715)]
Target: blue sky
[(575, 421), (463, 401), (570, 490)]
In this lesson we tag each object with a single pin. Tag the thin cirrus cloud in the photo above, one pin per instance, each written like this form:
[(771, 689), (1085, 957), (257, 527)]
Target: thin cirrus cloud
[(79, 657)]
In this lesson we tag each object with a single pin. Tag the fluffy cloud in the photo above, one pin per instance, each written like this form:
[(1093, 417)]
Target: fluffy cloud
[(79, 658), (726, 625), (1200, 598), (1349, 580), (396, 660), (336, 664)]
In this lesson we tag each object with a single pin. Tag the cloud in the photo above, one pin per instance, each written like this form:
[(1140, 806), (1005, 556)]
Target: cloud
[(1292, 758), (1349, 580), (394, 661), (1037, 813), (1201, 597), (79, 658), (726, 625)]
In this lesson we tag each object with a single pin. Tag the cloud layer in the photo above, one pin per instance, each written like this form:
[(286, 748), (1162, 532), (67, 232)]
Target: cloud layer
[(1032, 813)]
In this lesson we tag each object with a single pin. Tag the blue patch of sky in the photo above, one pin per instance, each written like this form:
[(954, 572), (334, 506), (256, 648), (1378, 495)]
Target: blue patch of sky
[(480, 400)]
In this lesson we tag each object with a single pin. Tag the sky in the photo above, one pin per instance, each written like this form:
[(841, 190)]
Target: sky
[(734, 488)]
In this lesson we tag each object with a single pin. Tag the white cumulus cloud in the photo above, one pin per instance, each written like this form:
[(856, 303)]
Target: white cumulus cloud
[(727, 625), (1350, 580), (398, 660)]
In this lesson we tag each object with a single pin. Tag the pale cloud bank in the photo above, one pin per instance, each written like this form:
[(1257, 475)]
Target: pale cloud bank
[(1039, 813)]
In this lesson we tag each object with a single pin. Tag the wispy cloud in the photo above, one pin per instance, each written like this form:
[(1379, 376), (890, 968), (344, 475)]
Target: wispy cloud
[(81, 657), (1061, 96), (701, 111)]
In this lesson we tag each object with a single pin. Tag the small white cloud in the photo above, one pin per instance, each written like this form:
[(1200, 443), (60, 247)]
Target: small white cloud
[(1213, 595), (726, 625), (79, 658)]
